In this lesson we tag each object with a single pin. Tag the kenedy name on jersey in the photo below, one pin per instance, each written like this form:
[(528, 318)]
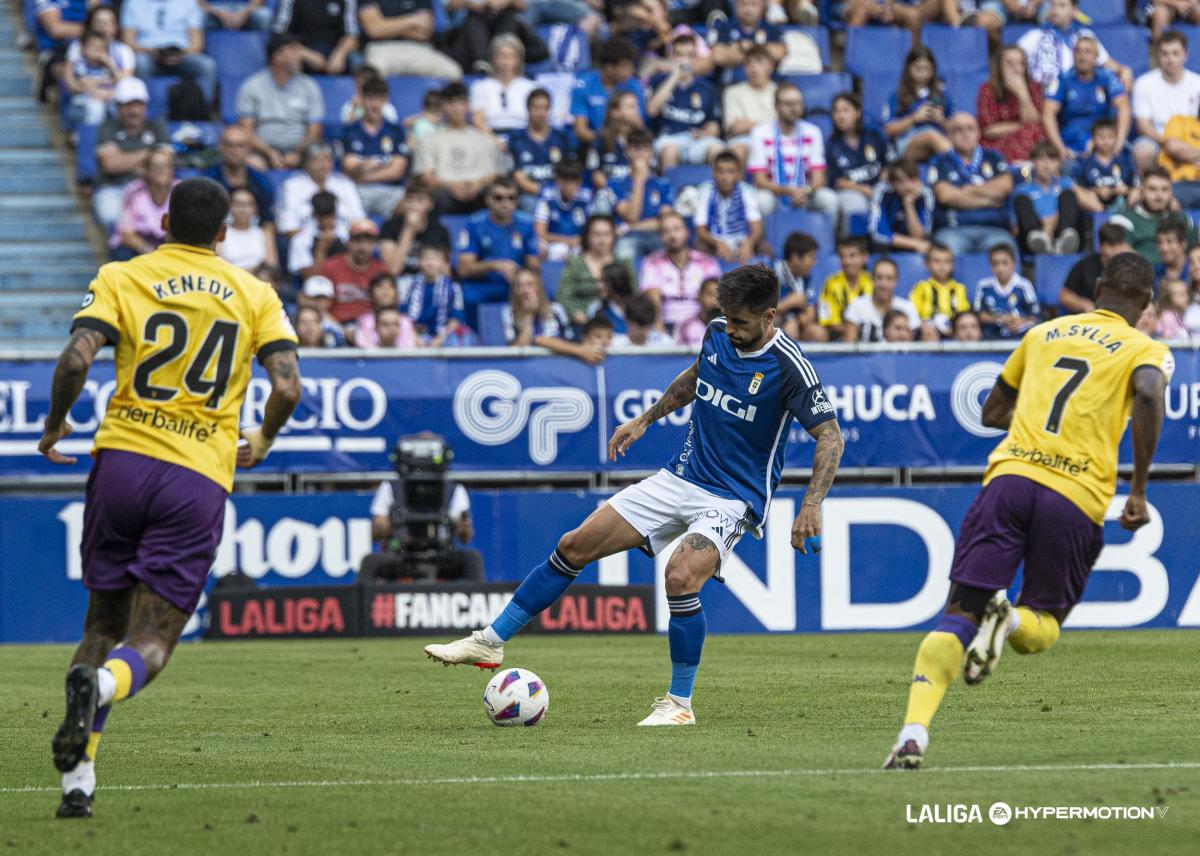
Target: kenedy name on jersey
[(187, 283)]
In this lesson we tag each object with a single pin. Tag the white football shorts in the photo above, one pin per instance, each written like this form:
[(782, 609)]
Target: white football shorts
[(664, 506)]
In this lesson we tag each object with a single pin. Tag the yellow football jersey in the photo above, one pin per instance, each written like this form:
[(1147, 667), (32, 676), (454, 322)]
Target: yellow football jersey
[(184, 324), (931, 298), (1074, 400), (837, 293)]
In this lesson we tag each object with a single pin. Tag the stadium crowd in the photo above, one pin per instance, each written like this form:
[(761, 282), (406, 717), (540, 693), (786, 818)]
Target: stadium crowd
[(577, 174)]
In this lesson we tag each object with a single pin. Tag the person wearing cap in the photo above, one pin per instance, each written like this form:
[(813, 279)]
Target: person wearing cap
[(400, 36), (168, 38), (281, 107), (123, 144), (317, 293), (375, 153), (295, 196), (352, 271)]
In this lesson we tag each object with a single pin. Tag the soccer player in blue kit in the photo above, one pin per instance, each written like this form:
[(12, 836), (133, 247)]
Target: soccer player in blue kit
[(749, 382)]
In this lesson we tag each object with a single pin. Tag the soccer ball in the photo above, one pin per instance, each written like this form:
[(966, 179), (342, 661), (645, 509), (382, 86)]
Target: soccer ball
[(516, 697)]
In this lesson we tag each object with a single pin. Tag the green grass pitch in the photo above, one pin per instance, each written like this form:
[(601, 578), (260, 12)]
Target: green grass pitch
[(361, 747)]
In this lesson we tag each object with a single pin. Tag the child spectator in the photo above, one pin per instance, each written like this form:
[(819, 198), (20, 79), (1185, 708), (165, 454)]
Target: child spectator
[(384, 295), (916, 115), (641, 330), (309, 330), (1006, 301), (317, 293), (901, 210), (866, 315), (562, 210), (691, 332), (731, 38), (685, 109), (855, 156), (896, 329), (1174, 306), (352, 110), (90, 78), (435, 302), (616, 290), (940, 297), (1106, 173), (609, 160), (639, 199), (246, 244), (1171, 240), (597, 334), (536, 150), (850, 282), (797, 313), (728, 223), (412, 226), (375, 153), (429, 120), (746, 105), (965, 327), (322, 237), (1046, 207), (392, 330)]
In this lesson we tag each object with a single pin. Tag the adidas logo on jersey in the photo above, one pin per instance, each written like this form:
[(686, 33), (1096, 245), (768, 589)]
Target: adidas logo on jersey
[(719, 398), (712, 358)]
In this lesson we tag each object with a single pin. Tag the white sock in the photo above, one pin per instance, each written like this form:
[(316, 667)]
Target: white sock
[(489, 636), (1016, 622), (108, 687), (680, 700), (82, 778), (914, 731)]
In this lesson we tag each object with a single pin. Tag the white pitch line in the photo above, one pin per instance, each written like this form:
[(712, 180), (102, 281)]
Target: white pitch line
[(617, 777)]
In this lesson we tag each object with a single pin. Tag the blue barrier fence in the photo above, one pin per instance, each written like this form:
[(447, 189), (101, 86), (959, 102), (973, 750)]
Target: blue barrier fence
[(885, 561), (503, 412)]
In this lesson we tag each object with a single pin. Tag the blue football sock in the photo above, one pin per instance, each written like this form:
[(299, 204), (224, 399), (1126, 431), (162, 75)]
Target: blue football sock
[(544, 585), (685, 636)]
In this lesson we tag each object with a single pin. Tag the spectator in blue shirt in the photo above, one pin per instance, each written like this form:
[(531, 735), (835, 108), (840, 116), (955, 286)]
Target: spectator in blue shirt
[(609, 159), (1046, 207), (730, 39), (971, 186), (916, 114), (495, 244), (536, 150), (728, 222), (1006, 301), (375, 154), (1081, 96), (59, 22), (1106, 173), (798, 288), (561, 211), (901, 211), (434, 301), (854, 158), (638, 199), (168, 38), (686, 110), (614, 60)]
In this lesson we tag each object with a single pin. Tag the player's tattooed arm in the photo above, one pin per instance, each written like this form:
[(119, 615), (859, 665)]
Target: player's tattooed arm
[(283, 369), (999, 407), (681, 392), (69, 376), (827, 454)]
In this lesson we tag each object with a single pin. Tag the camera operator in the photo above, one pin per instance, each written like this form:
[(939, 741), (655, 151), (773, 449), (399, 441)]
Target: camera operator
[(432, 554)]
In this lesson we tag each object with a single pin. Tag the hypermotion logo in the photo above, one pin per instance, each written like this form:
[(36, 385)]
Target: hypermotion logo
[(491, 408)]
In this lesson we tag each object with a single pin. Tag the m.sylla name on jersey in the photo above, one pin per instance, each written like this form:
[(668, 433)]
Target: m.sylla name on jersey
[(187, 283), (161, 421), (1084, 331)]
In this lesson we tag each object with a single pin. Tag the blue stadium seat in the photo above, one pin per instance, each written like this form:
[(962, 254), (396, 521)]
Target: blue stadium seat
[(1104, 11), (551, 274), (686, 175), (956, 49), (277, 177), (491, 325), (158, 88), (85, 154), (858, 225), (819, 89), (963, 87), (407, 94), (783, 221), (238, 54), (1192, 32), (971, 268), (569, 50), (1098, 220), (228, 86), (454, 224), (1013, 32), (336, 90), (824, 123), (870, 50), (1127, 44), (876, 90), (912, 270), (819, 35), (1049, 274)]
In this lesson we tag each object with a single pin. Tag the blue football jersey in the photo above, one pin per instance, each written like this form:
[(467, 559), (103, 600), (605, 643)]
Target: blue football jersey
[(745, 403)]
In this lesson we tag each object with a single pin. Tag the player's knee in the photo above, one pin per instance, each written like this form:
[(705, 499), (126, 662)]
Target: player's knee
[(679, 580), (573, 548)]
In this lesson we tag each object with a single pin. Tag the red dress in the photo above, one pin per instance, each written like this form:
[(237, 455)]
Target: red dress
[(1017, 145)]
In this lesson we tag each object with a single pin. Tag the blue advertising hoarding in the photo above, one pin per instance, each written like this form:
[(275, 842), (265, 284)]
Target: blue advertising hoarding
[(884, 565)]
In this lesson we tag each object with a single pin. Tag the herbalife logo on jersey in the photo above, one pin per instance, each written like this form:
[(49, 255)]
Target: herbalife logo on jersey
[(719, 398)]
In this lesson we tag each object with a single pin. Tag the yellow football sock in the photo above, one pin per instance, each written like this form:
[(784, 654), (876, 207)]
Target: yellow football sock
[(1036, 632), (124, 677), (938, 660), (93, 744)]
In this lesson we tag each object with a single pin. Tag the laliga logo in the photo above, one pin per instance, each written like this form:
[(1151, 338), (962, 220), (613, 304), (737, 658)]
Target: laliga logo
[(491, 408), (966, 397)]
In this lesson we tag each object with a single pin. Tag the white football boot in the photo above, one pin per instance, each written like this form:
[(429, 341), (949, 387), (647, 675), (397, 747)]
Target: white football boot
[(985, 649), (472, 650), (667, 711)]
